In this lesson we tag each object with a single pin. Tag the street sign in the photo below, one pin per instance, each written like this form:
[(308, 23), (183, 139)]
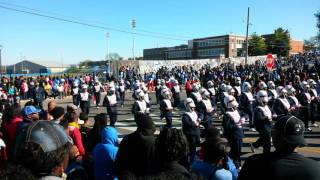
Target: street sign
[(269, 62)]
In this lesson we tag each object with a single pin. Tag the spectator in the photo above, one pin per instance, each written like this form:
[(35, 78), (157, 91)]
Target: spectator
[(30, 114), (71, 108), (172, 147), (216, 164), (48, 90), (74, 132), (137, 150), (284, 163), (84, 130), (38, 95), (100, 122), (43, 151), (51, 106), (57, 114), (104, 154), (11, 119)]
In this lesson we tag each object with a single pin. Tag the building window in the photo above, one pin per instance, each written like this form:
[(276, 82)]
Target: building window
[(211, 52)]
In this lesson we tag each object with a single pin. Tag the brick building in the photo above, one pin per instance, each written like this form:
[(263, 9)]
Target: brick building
[(296, 47), (201, 48)]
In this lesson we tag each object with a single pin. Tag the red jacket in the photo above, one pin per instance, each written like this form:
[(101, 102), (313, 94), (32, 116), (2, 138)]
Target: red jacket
[(9, 130), (75, 134), (188, 86)]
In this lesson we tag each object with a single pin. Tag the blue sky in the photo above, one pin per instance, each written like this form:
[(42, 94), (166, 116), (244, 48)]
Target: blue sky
[(44, 39)]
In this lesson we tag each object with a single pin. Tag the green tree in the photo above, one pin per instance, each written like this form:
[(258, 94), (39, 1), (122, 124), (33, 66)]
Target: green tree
[(85, 63), (311, 44), (115, 57), (280, 42), (257, 46)]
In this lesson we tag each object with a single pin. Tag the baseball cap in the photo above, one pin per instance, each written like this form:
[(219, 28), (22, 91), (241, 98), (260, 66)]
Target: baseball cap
[(292, 130), (27, 110), (49, 136)]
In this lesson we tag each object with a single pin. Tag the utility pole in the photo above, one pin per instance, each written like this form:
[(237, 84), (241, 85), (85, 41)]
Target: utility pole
[(107, 56), (0, 62), (133, 25), (247, 44)]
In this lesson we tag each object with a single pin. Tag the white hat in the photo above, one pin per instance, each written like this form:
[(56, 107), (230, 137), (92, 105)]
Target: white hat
[(139, 93), (262, 96), (290, 89), (263, 85), (246, 86), (189, 103), (112, 88), (271, 84), (230, 101), (205, 93)]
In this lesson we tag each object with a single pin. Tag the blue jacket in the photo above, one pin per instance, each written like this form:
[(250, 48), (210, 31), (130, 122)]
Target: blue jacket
[(213, 172), (104, 154)]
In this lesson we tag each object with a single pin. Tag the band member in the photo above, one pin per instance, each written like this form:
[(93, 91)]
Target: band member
[(293, 101), (263, 122), (75, 94), (314, 101), (140, 105), (232, 124), (166, 108), (281, 105), (158, 91), (147, 97), (190, 126), (263, 86), (97, 93), (305, 100), (212, 92), (237, 89), (85, 99), (122, 92), (176, 94), (110, 101), (195, 94), (246, 102), (272, 93), (206, 110)]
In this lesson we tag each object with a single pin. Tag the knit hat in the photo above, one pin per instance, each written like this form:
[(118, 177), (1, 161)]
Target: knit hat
[(292, 129), (57, 112), (144, 122)]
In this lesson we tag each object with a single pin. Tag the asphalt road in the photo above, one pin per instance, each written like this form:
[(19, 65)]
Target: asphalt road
[(126, 125)]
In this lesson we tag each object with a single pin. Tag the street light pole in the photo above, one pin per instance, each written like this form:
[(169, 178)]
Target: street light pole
[(108, 57), (246, 59), (133, 25), (0, 62)]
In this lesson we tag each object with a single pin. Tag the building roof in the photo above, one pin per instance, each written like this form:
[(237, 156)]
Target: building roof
[(220, 36), (49, 64)]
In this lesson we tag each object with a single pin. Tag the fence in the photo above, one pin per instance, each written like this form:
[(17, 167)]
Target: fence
[(146, 66)]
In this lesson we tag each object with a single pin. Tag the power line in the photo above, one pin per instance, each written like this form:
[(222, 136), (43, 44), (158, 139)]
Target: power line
[(45, 13)]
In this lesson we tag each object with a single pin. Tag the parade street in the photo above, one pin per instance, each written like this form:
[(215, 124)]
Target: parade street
[(126, 125)]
